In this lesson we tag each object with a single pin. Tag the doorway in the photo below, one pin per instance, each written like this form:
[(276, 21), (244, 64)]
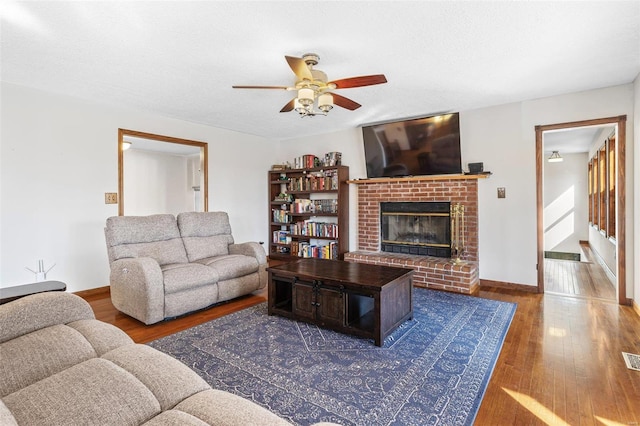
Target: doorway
[(556, 213), (164, 174)]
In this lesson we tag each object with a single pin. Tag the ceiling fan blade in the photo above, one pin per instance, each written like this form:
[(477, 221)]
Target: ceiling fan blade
[(365, 80), (289, 106), (343, 102), (299, 67), (261, 87)]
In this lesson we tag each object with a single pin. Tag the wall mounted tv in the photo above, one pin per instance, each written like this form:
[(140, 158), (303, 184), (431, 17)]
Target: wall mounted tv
[(416, 147)]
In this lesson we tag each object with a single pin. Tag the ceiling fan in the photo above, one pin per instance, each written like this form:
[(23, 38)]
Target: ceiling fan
[(313, 88)]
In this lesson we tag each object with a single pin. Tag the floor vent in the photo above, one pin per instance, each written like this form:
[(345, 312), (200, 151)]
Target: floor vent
[(632, 361), (562, 256)]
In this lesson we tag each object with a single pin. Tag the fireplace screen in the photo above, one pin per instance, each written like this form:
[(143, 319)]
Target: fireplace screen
[(421, 228)]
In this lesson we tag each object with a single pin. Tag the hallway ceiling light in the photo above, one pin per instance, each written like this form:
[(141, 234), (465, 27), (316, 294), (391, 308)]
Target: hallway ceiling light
[(126, 145), (555, 157)]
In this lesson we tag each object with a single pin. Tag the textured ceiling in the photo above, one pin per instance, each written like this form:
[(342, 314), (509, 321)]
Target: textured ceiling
[(180, 59)]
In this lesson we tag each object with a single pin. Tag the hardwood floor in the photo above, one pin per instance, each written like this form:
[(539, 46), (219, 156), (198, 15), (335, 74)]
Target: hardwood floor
[(585, 279), (560, 364), (141, 333)]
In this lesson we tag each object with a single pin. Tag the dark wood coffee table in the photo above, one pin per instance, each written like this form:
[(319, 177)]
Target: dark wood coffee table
[(353, 298)]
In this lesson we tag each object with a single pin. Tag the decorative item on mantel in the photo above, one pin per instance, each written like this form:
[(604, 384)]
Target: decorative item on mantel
[(332, 159), (457, 232)]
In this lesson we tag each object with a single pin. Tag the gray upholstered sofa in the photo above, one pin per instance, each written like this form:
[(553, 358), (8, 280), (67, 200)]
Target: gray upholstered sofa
[(162, 267), (61, 366)]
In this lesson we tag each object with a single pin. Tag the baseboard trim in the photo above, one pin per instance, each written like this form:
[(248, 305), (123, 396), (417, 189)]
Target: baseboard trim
[(636, 307), (94, 292), (510, 286)]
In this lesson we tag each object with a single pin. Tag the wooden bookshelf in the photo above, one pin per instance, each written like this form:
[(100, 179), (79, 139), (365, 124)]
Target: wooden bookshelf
[(309, 213)]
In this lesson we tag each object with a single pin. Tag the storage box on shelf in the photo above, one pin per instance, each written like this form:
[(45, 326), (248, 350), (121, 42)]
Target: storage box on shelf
[(309, 213)]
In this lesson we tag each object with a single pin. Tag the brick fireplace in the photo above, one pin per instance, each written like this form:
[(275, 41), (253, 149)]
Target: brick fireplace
[(431, 272)]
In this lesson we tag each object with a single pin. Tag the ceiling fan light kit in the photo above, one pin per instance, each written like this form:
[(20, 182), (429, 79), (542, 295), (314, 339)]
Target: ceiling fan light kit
[(313, 90)]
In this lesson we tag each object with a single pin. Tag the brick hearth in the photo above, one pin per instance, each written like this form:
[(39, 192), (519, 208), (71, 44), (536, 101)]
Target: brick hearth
[(431, 272)]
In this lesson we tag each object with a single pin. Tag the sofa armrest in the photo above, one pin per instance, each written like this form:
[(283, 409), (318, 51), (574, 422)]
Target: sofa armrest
[(137, 288), (251, 249), (37, 311)]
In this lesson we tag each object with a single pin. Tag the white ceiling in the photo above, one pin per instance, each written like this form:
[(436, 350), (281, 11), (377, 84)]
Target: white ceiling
[(180, 59), (573, 140), (144, 144)]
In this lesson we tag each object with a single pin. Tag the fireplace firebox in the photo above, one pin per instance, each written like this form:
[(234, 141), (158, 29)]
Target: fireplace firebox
[(417, 228)]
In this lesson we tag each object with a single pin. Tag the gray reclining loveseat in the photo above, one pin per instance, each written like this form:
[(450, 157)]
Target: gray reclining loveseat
[(163, 267)]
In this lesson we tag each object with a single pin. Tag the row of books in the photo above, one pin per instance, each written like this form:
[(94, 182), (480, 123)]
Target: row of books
[(281, 216), (282, 237), (315, 229), (328, 180), (305, 249), (306, 162), (302, 205)]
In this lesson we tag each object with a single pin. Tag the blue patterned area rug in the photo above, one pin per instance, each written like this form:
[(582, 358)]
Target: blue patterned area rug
[(433, 370)]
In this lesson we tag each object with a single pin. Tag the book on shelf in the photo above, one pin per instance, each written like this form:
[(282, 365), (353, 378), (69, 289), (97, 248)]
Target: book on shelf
[(324, 251), (318, 181), (306, 162), (282, 237), (281, 216), (311, 228), (304, 205)]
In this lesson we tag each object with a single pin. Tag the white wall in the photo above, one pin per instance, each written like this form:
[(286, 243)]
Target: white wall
[(607, 102), (156, 182), (59, 156), (503, 137), (566, 203)]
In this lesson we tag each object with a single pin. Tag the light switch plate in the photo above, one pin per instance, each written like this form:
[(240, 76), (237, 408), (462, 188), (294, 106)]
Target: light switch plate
[(502, 193), (111, 198)]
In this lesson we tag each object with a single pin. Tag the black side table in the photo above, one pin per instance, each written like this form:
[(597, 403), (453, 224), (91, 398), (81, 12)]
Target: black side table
[(7, 294)]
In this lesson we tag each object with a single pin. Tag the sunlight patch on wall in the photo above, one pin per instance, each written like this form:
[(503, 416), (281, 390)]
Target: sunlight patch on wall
[(559, 207), (559, 232), (558, 216), (15, 13)]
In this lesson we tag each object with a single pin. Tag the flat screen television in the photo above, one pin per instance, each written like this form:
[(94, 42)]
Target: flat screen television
[(416, 147)]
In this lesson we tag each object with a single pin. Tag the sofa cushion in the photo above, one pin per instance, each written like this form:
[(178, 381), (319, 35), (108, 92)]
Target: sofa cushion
[(101, 336), (217, 407), (231, 266), (40, 354), (41, 310), (155, 236), (236, 287), (163, 252), (183, 276), (175, 418), (168, 379), (205, 234), (94, 392), (189, 300)]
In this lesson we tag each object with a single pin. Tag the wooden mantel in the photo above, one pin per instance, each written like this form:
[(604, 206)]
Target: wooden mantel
[(418, 178)]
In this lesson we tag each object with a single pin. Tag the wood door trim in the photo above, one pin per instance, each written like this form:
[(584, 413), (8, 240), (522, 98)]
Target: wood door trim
[(621, 272)]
